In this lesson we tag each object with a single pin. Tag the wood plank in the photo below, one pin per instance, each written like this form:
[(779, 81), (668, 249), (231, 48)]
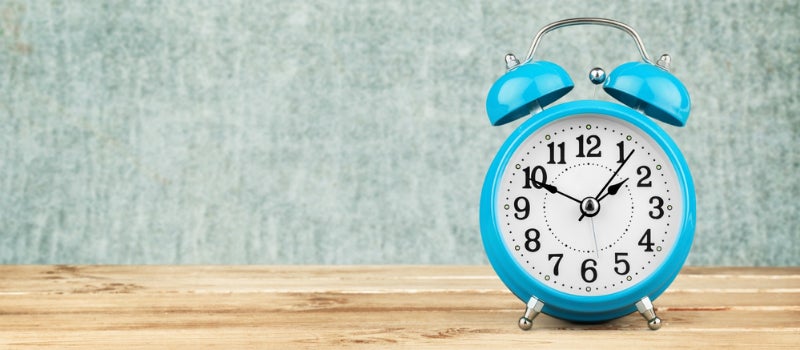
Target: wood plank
[(355, 320), (448, 307), (74, 279)]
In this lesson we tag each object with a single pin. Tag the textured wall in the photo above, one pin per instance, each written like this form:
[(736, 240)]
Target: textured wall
[(352, 131)]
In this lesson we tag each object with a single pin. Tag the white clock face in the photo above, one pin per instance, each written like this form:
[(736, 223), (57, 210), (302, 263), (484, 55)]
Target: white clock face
[(589, 205)]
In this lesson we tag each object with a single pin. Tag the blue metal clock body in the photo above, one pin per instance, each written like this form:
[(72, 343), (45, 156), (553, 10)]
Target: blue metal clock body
[(576, 307)]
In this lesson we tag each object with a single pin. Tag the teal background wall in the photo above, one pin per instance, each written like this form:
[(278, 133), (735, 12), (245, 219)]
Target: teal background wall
[(348, 132)]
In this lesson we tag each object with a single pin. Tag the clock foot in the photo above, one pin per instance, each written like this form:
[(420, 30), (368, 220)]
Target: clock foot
[(645, 307), (532, 309)]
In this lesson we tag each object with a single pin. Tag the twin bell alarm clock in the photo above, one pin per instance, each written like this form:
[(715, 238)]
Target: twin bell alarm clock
[(587, 212)]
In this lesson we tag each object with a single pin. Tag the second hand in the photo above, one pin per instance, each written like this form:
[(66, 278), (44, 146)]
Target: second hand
[(594, 234)]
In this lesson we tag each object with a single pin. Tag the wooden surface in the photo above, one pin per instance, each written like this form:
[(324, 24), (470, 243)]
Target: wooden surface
[(290, 307)]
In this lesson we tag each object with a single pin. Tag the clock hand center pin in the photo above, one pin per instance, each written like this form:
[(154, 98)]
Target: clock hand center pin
[(590, 207)]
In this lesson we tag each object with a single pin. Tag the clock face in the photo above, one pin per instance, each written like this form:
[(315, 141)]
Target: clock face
[(589, 205)]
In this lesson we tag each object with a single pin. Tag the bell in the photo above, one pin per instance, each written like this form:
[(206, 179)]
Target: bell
[(525, 89), (651, 90)]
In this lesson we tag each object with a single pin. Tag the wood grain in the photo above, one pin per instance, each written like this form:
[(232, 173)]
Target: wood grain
[(447, 307)]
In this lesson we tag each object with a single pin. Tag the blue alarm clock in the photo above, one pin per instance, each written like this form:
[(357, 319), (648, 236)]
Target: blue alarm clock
[(587, 212)]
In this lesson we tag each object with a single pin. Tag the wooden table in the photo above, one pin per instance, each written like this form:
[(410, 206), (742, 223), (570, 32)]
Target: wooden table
[(290, 307)]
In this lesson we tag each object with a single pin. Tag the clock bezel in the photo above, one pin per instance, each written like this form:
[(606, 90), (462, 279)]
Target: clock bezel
[(576, 307)]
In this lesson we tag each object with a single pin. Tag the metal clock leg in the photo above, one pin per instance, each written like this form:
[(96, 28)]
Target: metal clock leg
[(645, 307), (532, 309)]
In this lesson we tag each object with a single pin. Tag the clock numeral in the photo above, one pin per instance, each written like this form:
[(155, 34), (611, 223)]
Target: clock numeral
[(585, 268), (552, 146), (625, 266), (646, 242), (534, 240), (646, 171), (621, 146), (589, 142), (658, 204), (558, 261), (531, 177), (523, 208)]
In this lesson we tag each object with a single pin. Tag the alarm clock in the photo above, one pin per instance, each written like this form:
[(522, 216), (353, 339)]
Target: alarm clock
[(587, 212)]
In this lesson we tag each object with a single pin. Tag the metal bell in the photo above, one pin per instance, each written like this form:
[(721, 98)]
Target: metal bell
[(651, 90), (525, 89)]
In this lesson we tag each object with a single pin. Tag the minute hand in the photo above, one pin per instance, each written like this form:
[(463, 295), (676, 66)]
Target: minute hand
[(611, 178), (554, 189)]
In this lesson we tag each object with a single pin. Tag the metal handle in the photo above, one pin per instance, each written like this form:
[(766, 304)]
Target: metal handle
[(584, 21)]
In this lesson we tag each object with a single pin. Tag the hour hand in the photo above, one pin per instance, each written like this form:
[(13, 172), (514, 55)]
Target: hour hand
[(554, 189), (613, 189)]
